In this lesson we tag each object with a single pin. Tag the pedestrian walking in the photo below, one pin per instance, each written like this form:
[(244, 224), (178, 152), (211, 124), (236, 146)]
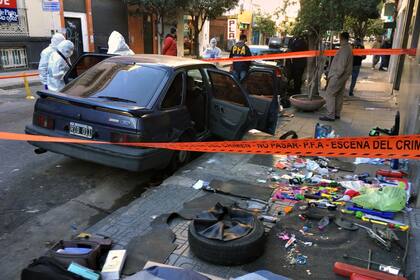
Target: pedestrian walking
[(297, 66), (117, 44), (212, 51), (56, 39), (357, 64), (59, 64), (385, 58), (240, 49), (340, 70), (169, 44), (376, 45)]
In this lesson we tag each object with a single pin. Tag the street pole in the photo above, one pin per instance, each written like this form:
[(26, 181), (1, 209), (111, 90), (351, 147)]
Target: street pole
[(88, 4)]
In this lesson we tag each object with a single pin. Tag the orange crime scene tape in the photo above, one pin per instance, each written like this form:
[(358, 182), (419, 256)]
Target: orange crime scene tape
[(404, 146), (304, 54), (286, 55)]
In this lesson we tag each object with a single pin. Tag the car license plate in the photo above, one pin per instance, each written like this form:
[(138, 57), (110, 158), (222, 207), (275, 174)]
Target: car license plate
[(81, 130)]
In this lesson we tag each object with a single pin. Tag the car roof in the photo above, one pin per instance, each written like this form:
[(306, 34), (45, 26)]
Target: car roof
[(164, 60), (258, 46)]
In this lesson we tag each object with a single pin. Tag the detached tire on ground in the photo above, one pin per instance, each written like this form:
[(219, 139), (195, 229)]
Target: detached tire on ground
[(236, 252)]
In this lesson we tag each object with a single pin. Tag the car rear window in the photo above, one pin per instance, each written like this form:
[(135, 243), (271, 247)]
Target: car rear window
[(131, 82)]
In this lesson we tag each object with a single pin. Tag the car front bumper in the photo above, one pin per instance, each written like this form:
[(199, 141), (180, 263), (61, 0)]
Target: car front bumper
[(128, 158)]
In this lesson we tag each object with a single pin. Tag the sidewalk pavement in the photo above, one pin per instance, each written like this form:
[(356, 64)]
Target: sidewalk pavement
[(14, 83), (372, 106)]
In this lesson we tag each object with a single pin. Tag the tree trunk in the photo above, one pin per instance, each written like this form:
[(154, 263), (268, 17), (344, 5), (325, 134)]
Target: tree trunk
[(313, 79), (196, 36)]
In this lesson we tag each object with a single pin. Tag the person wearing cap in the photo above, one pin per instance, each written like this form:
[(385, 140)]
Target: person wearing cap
[(56, 39)]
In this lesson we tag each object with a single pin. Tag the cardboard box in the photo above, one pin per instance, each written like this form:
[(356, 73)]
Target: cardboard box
[(113, 265)]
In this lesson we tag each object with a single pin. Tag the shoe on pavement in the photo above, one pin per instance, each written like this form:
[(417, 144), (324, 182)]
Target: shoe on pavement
[(337, 117), (325, 118), (351, 94)]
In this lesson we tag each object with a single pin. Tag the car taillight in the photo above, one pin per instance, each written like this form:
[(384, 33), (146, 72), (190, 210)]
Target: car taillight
[(125, 138), (44, 121), (278, 72)]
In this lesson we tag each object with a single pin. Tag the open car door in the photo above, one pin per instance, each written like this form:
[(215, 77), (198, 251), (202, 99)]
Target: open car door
[(229, 113), (83, 63), (261, 85)]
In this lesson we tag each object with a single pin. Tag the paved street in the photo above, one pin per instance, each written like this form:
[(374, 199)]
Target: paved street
[(45, 198)]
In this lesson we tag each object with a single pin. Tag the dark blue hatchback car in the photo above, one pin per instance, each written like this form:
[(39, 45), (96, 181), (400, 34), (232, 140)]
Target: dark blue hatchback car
[(151, 98)]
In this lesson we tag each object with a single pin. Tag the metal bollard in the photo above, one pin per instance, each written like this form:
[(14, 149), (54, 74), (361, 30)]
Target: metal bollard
[(29, 95)]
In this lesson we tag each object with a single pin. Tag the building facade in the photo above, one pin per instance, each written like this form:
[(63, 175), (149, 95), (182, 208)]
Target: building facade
[(408, 69), (25, 29)]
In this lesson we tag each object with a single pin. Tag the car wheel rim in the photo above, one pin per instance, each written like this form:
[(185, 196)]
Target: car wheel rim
[(182, 156)]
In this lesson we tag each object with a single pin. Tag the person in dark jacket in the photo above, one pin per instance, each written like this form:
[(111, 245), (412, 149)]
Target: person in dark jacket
[(357, 63), (297, 65), (240, 49), (169, 44), (385, 58)]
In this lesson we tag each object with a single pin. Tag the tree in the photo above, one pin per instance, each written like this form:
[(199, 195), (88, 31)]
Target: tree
[(265, 25), (161, 8), (315, 18), (202, 10), (360, 15)]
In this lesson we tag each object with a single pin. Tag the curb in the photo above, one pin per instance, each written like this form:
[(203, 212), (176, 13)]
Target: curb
[(20, 85)]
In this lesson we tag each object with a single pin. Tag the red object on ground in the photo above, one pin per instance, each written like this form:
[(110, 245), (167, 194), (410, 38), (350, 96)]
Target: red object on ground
[(391, 173), (352, 193), (348, 270)]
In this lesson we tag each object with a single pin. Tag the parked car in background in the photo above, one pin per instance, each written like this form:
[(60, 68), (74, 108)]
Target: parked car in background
[(151, 98)]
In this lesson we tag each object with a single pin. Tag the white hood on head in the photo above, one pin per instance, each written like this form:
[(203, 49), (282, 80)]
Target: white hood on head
[(117, 44), (56, 39), (66, 48)]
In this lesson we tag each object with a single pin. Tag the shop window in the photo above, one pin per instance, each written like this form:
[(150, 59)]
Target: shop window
[(173, 96)]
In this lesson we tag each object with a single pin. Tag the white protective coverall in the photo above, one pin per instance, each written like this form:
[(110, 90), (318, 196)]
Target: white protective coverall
[(117, 45), (56, 39), (212, 51), (58, 67)]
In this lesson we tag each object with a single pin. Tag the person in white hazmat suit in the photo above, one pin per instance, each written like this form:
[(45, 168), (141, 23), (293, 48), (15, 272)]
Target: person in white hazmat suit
[(59, 64), (56, 39), (117, 45), (212, 51)]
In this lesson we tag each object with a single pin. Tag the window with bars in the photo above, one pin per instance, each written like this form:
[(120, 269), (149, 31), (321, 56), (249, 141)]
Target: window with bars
[(13, 58)]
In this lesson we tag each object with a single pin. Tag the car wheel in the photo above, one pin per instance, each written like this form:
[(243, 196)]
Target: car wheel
[(180, 158), (235, 252)]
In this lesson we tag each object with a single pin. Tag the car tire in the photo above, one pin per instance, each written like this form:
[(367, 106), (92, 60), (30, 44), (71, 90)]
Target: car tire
[(235, 252), (180, 158)]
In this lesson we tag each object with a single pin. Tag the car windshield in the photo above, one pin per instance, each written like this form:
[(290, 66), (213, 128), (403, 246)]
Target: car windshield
[(116, 82)]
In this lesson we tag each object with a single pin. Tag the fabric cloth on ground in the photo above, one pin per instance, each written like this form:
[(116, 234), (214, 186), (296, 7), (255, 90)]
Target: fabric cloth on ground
[(167, 273), (241, 189), (262, 275)]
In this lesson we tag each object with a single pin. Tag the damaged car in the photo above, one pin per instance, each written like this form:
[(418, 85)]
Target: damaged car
[(150, 98)]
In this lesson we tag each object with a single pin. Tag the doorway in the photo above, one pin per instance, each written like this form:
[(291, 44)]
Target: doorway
[(76, 31), (148, 33)]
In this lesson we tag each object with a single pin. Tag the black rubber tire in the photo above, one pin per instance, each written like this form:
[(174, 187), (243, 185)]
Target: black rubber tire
[(236, 252), (176, 161)]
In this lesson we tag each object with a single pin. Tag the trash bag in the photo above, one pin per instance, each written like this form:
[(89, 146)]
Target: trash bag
[(386, 199)]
